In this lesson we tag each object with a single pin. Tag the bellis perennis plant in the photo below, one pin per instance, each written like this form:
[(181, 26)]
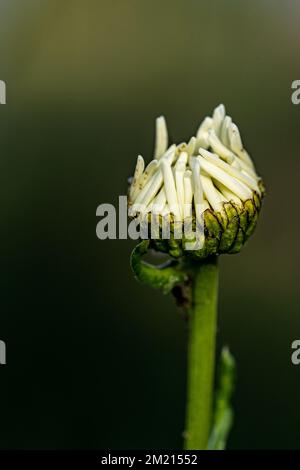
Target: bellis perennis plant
[(197, 200)]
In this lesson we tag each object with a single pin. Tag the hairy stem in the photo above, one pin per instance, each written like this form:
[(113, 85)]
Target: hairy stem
[(201, 353)]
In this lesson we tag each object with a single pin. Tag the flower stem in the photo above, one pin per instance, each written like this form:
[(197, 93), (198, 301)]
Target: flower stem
[(201, 353)]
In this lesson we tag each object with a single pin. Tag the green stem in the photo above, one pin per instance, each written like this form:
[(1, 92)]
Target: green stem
[(201, 353)]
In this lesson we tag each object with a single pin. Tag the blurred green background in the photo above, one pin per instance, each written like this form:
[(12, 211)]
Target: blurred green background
[(94, 359)]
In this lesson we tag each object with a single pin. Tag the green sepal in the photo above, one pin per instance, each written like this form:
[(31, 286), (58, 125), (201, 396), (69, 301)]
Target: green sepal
[(252, 217), (238, 242), (213, 232), (257, 201), (231, 227), (175, 248)]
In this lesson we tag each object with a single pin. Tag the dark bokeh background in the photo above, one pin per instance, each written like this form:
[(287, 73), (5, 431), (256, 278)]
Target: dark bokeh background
[(94, 359)]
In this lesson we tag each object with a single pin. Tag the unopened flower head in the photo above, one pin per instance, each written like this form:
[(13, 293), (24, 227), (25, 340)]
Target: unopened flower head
[(198, 198)]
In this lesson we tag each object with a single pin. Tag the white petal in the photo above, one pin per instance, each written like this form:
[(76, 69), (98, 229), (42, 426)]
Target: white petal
[(227, 193), (212, 195), (235, 138), (148, 193), (169, 155), (206, 204), (169, 185), (165, 211), (250, 182), (236, 164), (247, 159), (159, 202), (191, 146), (179, 171), (161, 138), (202, 133), (219, 148), (154, 188), (139, 168), (182, 161), (224, 136), (218, 117), (236, 186), (237, 145), (145, 211), (192, 161), (247, 169), (142, 193), (149, 171), (205, 125), (199, 204), (198, 191), (188, 194)]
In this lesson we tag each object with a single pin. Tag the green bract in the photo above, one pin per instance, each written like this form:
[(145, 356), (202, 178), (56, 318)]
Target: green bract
[(225, 231)]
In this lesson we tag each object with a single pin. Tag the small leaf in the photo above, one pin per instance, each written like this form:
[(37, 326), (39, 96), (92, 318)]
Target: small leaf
[(223, 414), (163, 277)]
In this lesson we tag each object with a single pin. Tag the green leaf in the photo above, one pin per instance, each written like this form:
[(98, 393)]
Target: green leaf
[(163, 277), (223, 414)]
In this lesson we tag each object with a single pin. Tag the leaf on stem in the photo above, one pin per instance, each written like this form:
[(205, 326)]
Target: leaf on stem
[(223, 414), (164, 276)]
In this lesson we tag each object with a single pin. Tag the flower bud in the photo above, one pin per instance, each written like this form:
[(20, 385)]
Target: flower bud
[(199, 198)]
